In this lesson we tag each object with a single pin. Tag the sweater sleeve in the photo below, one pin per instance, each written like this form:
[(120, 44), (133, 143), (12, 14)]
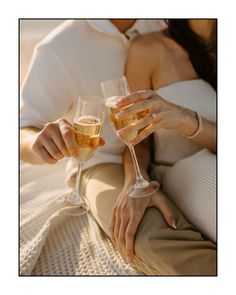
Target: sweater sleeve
[(46, 93)]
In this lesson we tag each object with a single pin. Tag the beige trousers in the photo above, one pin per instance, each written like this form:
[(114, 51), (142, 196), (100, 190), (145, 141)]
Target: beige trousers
[(159, 250)]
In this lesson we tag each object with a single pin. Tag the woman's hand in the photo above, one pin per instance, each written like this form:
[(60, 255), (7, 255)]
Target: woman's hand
[(158, 113), (127, 214)]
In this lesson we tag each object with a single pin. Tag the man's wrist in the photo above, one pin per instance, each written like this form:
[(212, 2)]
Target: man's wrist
[(27, 139)]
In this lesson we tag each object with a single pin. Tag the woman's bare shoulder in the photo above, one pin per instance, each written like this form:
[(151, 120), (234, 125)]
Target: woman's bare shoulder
[(149, 43), (144, 58)]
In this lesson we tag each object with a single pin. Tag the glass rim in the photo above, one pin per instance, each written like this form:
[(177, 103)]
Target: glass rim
[(115, 79), (84, 98)]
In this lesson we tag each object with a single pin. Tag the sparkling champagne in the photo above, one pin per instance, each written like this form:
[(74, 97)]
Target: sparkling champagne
[(124, 122), (88, 130)]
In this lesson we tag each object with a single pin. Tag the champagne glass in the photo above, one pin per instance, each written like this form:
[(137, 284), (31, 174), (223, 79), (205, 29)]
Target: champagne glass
[(113, 90), (88, 122)]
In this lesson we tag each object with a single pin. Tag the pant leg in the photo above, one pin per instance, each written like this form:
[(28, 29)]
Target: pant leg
[(159, 249), (101, 185)]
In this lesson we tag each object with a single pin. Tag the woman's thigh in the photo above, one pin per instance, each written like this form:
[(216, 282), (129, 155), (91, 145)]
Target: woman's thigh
[(102, 185), (159, 249)]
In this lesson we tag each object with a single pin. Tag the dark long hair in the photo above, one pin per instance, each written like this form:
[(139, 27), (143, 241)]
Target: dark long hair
[(201, 55)]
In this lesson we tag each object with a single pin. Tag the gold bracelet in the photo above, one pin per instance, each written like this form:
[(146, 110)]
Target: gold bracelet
[(199, 128)]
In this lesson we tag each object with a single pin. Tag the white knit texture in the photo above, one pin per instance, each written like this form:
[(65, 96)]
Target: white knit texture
[(191, 184), (53, 243)]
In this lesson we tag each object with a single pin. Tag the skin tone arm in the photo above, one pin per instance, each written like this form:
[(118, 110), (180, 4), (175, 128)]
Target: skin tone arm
[(57, 139), (167, 115), (128, 212)]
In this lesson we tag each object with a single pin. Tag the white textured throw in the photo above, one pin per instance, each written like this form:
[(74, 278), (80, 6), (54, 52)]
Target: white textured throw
[(53, 243)]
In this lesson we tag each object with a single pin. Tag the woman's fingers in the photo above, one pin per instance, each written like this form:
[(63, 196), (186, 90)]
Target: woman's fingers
[(154, 104), (135, 109), (112, 225), (129, 237), (120, 222), (149, 124), (135, 97), (121, 236), (160, 201), (115, 226), (136, 126), (116, 229), (126, 216), (143, 134)]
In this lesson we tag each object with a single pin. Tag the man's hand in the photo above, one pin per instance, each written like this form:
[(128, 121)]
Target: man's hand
[(127, 214), (48, 145), (55, 141)]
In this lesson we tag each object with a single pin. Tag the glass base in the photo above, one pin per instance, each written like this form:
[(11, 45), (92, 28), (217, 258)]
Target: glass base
[(75, 205), (143, 188)]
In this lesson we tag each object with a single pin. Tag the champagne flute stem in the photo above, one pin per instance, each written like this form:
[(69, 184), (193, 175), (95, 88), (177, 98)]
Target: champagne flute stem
[(135, 161), (78, 176)]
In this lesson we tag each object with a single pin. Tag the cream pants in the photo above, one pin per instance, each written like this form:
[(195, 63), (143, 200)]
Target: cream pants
[(159, 250)]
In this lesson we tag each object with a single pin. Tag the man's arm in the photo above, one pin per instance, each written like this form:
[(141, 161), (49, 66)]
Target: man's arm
[(46, 96), (27, 137)]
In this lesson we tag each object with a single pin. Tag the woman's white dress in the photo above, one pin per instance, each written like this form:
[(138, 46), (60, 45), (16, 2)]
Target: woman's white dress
[(186, 171)]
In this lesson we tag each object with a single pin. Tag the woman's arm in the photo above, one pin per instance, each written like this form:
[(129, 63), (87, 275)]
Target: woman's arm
[(142, 65), (204, 129), (128, 212), (163, 114)]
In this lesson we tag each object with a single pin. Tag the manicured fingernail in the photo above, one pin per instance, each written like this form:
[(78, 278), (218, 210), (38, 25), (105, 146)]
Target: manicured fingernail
[(173, 223)]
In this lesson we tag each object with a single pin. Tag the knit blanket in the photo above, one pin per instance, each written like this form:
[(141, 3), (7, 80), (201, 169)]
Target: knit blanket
[(53, 243)]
